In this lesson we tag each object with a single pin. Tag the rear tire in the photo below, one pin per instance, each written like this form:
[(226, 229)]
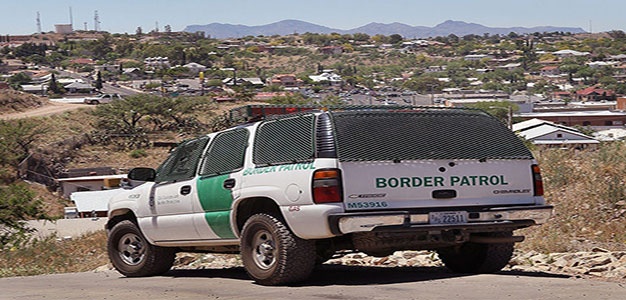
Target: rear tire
[(132, 255), (478, 258), (272, 254)]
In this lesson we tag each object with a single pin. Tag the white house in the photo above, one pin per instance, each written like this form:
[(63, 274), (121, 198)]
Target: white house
[(546, 133), (157, 62), (333, 78), (570, 53), (476, 56), (195, 68)]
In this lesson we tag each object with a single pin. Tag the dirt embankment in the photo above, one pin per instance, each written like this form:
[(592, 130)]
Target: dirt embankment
[(14, 101)]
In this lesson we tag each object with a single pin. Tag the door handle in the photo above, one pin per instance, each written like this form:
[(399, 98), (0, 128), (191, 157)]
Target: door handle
[(185, 190), (229, 183)]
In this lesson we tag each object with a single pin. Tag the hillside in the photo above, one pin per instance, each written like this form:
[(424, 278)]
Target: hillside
[(285, 27), (14, 101)]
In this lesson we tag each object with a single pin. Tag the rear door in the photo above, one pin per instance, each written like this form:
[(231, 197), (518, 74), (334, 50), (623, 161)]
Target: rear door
[(433, 183), (429, 158)]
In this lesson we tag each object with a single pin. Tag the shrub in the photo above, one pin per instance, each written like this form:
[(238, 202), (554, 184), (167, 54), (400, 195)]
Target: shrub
[(138, 153)]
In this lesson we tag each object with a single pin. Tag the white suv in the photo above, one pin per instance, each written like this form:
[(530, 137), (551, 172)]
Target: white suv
[(293, 190)]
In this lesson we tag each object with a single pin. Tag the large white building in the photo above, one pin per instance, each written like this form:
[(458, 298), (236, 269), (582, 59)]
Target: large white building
[(63, 28)]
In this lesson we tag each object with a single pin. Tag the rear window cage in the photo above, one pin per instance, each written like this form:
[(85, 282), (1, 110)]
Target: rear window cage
[(285, 139), (424, 134)]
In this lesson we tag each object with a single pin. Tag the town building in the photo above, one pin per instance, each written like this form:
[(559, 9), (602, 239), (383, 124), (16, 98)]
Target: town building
[(569, 53), (594, 93), (477, 56), (550, 71), (157, 62), (195, 68), (546, 133), (600, 118), (286, 80), (63, 28)]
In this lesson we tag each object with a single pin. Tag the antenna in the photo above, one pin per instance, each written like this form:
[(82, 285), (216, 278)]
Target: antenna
[(96, 21), (38, 24), (71, 18)]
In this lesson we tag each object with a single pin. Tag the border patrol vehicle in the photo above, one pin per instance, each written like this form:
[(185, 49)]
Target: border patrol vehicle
[(296, 185)]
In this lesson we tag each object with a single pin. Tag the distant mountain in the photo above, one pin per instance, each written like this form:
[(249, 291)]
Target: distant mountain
[(459, 28)]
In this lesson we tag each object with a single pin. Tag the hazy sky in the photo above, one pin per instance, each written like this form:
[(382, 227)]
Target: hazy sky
[(18, 17)]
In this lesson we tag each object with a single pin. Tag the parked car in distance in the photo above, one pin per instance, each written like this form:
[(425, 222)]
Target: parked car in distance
[(101, 99)]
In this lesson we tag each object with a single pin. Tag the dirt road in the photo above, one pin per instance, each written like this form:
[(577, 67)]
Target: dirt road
[(328, 282), (49, 109)]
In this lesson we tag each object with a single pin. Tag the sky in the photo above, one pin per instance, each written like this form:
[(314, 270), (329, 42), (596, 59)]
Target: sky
[(18, 17)]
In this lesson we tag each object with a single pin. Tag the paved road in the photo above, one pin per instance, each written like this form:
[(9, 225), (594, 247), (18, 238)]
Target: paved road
[(329, 282)]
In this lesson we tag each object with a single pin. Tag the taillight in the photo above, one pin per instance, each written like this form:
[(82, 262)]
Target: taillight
[(537, 181), (327, 186)]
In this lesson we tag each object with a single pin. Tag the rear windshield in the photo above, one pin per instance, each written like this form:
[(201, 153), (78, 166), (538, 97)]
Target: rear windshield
[(416, 135)]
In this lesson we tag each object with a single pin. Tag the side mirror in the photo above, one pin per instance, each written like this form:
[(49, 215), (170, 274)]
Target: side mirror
[(142, 174)]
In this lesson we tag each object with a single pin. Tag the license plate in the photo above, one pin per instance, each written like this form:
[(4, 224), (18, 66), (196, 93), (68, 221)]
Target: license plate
[(447, 217)]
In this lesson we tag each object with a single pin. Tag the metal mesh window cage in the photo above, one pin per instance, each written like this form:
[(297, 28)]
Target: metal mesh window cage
[(427, 134), (285, 140), (226, 153), (182, 163)]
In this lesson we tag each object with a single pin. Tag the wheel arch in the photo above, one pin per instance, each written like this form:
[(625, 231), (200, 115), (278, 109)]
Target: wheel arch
[(246, 208), (119, 215)]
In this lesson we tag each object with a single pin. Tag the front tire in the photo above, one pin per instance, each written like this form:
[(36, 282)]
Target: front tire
[(272, 254), (478, 258), (133, 256)]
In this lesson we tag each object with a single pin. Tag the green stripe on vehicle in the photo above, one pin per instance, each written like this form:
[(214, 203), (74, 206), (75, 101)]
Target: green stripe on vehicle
[(220, 223), (216, 201)]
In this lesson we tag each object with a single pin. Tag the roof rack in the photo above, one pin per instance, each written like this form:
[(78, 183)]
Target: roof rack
[(254, 113)]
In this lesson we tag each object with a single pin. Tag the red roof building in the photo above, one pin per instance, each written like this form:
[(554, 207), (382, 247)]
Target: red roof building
[(594, 93)]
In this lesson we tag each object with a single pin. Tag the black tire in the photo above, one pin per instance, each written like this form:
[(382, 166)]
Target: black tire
[(145, 259), (478, 258), (95, 102), (272, 254)]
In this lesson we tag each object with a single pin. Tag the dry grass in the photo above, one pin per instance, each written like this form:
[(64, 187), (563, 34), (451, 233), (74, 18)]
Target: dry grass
[(53, 203), (586, 188), (50, 256), (100, 156)]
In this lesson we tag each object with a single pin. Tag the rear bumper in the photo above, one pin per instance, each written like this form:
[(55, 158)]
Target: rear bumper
[(483, 219)]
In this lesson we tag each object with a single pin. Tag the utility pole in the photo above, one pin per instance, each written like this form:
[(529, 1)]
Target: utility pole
[(71, 18), (510, 119), (85, 26)]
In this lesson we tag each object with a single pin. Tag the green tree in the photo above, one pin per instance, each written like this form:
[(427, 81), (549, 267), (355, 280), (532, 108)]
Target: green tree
[(99, 81), (395, 38), (16, 141), (20, 78), (17, 203), (53, 86)]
